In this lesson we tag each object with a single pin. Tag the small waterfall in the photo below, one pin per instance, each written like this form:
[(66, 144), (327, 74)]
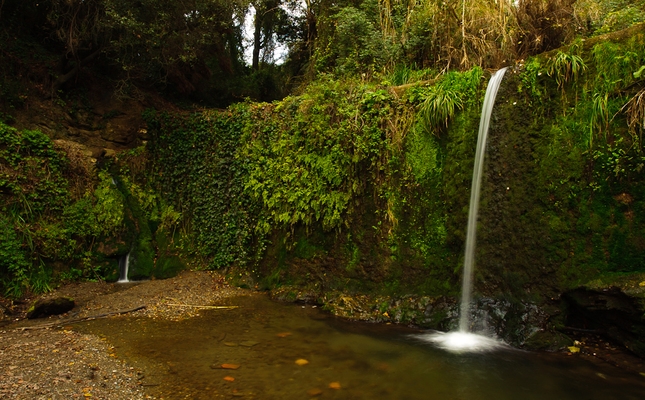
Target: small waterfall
[(124, 263), (469, 260)]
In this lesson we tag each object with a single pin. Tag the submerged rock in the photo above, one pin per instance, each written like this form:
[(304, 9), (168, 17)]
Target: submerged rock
[(45, 307), (548, 340)]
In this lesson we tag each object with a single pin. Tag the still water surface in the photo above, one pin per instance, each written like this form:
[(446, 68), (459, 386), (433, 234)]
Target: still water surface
[(367, 361)]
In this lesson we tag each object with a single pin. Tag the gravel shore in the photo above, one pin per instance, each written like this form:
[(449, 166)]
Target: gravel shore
[(45, 359)]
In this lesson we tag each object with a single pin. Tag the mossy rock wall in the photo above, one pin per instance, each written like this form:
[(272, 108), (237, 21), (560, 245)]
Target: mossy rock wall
[(353, 187)]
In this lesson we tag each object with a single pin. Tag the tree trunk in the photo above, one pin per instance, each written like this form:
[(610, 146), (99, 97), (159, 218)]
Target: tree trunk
[(61, 79), (257, 39)]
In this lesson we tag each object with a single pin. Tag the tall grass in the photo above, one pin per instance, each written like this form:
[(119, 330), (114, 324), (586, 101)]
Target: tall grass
[(635, 111), (439, 106), (443, 99), (565, 67)]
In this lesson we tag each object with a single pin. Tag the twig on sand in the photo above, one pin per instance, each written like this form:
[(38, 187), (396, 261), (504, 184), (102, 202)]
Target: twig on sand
[(76, 320), (203, 307)]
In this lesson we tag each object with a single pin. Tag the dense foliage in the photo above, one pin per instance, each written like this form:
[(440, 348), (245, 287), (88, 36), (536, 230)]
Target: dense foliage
[(342, 160), (196, 49), (35, 193), (62, 219)]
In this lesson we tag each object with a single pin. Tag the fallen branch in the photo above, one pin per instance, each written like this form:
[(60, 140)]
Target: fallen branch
[(203, 307), (76, 320), (399, 90)]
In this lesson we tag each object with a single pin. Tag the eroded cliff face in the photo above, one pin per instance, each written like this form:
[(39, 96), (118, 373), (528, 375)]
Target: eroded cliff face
[(61, 158), (99, 121)]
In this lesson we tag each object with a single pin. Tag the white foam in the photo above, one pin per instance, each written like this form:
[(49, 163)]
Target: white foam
[(462, 342)]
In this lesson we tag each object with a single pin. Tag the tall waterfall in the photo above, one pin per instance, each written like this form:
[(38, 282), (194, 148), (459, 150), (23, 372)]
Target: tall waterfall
[(469, 259)]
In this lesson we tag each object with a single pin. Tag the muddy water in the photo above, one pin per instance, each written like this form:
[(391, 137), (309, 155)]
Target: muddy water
[(344, 360)]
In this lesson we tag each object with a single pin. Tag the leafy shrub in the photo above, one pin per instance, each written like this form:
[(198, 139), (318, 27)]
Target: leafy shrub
[(31, 179), (14, 266)]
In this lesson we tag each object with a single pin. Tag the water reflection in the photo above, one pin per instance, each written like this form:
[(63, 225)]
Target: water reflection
[(344, 360)]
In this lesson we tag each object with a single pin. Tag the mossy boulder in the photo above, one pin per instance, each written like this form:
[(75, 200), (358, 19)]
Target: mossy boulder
[(44, 307)]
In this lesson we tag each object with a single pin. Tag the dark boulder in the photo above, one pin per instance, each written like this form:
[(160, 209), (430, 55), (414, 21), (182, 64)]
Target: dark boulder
[(609, 312), (45, 307)]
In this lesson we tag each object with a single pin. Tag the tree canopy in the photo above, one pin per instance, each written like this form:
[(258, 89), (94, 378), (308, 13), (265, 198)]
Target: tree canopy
[(197, 47)]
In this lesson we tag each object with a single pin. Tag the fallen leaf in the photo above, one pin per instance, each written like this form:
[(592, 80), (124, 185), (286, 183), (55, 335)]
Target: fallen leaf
[(230, 366), (642, 373), (383, 367), (229, 378), (302, 361), (574, 349), (314, 392), (642, 284), (284, 334), (334, 385)]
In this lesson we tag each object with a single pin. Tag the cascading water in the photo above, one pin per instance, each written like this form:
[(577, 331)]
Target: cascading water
[(124, 264), (463, 340), (471, 232)]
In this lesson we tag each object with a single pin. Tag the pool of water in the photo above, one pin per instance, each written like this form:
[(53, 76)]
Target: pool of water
[(287, 351)]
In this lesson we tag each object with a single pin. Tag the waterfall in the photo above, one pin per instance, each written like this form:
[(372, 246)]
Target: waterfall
[(463, 341), (124, 263), (469, 258)]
